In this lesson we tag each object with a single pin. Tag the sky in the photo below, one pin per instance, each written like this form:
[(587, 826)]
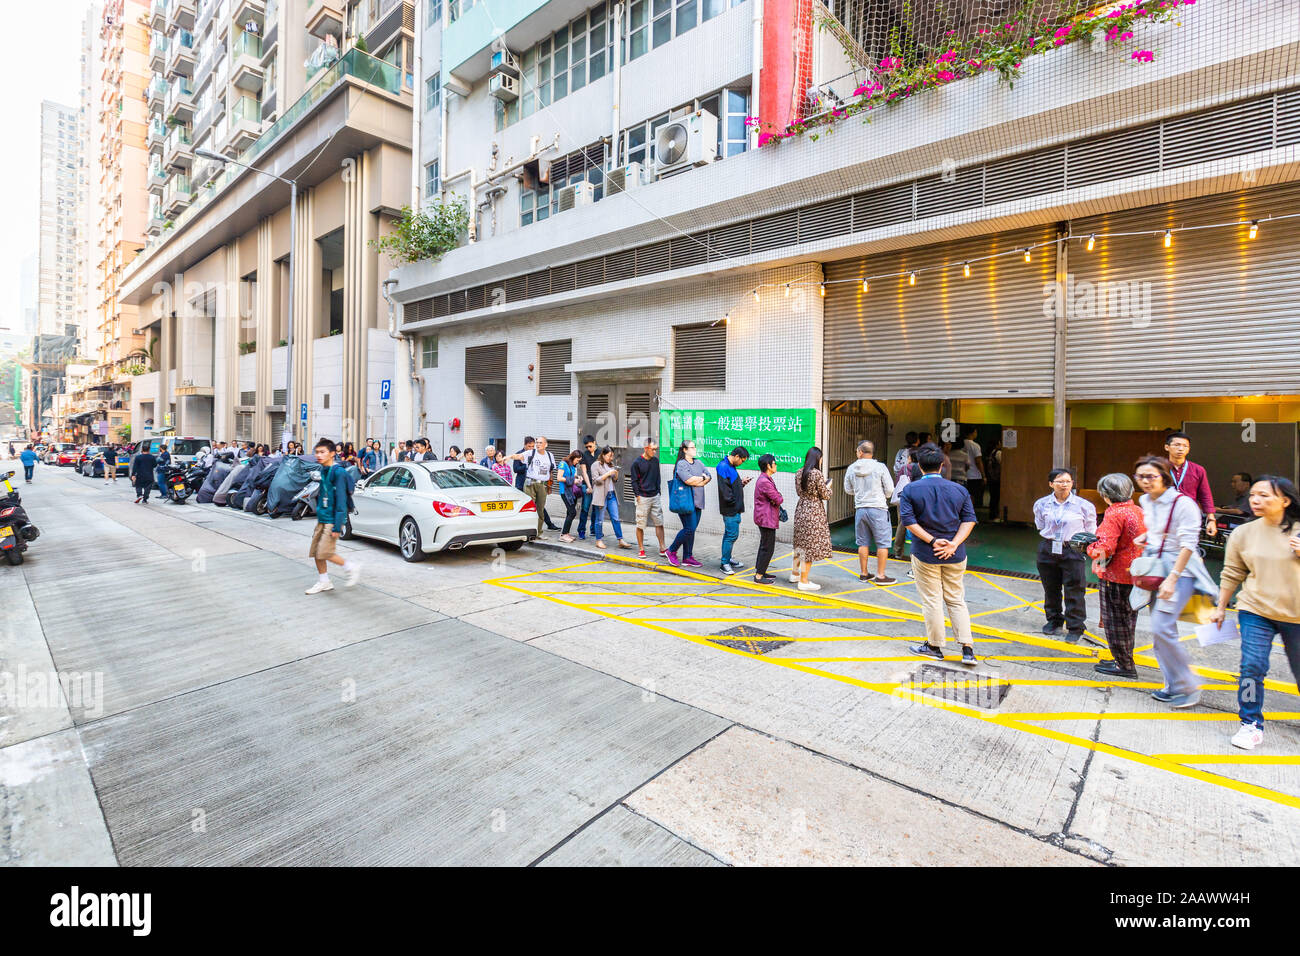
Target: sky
[(41, 61)]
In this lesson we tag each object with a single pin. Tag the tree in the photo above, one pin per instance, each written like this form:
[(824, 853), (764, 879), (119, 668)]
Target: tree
[(420, 234), (149, 355)]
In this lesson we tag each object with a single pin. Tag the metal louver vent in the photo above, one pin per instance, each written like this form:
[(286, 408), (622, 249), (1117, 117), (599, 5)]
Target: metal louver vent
[(277, 427), (243, 426), (597, 404), (700, 356), (1236, 129), (278, 396), (485, 365), (248, 398), (552, 357), (1131, 152)]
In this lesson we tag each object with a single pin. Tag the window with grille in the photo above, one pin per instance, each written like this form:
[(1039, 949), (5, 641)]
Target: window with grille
[(429, 351), (248, 398), (552, 378), (278, 396), (700, 356)]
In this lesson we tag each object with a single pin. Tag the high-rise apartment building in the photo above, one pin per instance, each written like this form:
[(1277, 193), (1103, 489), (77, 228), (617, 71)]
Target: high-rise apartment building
[(280, 85), (88, 184), (60, 219)]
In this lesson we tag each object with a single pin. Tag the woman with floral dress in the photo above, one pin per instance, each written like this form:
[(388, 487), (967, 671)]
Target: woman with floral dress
[(812, 533)]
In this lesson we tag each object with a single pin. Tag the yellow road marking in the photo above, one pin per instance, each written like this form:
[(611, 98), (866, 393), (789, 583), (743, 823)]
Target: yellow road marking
[(1016, 722), (1154, 715), (1230, 758)]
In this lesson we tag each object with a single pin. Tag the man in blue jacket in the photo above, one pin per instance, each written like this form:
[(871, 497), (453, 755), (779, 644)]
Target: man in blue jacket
[(30, 458), (331, 519)]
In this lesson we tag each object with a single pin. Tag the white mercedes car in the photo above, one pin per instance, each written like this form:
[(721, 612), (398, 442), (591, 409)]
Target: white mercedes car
[(428, 506)]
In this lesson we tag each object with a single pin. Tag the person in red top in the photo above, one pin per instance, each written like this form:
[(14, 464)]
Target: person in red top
[(1190, 478), (1111, 555)]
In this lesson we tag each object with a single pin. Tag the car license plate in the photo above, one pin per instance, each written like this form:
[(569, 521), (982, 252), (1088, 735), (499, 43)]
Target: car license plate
[(6, 532), (497, 506)]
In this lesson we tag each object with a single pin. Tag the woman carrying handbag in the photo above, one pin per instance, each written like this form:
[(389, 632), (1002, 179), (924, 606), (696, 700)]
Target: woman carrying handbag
[(768, 513), (1171, 566)]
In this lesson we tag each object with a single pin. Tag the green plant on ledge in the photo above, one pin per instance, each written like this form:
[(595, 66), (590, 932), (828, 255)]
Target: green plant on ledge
[(283, 342), (247, 347), (136, 369), (123, 432), (336, 331), (425, 234)]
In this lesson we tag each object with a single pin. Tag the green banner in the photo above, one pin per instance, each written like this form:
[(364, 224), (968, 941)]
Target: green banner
[(787, 433)]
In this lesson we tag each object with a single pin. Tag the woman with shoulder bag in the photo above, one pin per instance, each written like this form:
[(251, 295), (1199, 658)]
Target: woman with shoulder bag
[(686, 500), (604, 498), (571, 490), (1170, 565), (767, 515), (1112, 553)]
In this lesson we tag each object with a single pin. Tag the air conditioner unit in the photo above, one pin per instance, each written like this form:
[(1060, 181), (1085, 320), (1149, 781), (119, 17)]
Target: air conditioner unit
[(689, 141), (621, 179), (579, 194), (504, 87)]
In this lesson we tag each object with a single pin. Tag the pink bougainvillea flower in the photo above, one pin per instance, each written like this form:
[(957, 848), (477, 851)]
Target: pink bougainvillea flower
[(764, 139), (1127, 35), (947, 57), (973, 64), (945, 76), (1063, 31), (890, 63), (1143, 56), (859, 91)]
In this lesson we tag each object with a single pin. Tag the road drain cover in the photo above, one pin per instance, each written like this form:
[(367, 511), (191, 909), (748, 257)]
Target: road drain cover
[(751, 640), (961, 686)]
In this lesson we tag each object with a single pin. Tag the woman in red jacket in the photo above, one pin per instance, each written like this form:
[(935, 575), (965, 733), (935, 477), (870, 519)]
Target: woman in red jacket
[(767, 515), (1112, 554)]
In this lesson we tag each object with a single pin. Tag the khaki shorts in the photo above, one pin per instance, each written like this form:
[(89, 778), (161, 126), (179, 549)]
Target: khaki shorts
[(322, 542), (649, 508)]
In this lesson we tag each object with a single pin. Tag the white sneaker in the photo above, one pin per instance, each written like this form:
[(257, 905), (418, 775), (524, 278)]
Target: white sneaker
[(809, 586), (1248, 737), (794, 578), (320, 586), (353, 576)]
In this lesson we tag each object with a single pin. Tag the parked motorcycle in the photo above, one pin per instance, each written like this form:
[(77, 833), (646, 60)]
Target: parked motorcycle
[(176, 486), (16, 529), (304, 502)]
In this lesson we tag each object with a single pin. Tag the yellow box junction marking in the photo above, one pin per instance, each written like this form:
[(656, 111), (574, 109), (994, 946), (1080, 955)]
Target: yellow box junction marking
[(1180, 764)]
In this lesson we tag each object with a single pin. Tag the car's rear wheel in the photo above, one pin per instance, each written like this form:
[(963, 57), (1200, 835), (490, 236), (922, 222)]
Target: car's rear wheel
[(512, 546), (15, 557), (409, 539)]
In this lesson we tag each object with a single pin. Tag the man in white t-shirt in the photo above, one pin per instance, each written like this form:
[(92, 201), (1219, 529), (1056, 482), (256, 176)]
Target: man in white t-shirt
[(538, 464), (975, 470)]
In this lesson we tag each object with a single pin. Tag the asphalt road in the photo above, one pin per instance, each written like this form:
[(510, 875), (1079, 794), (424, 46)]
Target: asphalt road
[(173, 697)]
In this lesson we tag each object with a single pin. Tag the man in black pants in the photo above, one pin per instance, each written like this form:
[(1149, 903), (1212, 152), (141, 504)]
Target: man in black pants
[(141, 473), (1059, 517)]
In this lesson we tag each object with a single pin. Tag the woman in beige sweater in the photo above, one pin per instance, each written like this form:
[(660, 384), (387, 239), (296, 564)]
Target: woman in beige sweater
[(1264, 560)]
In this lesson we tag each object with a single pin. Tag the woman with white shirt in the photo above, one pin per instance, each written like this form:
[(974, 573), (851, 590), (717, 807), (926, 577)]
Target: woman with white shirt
[(1164, 508)]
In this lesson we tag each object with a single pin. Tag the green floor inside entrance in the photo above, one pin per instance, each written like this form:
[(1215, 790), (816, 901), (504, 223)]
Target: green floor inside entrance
[(1002, 547)]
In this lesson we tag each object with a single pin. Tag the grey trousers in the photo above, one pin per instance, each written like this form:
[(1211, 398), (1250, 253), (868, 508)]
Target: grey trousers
[(1175, 661)]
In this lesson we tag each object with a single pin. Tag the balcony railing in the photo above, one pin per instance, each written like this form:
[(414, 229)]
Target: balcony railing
[(246, 108), (362, 66), (248, 44)]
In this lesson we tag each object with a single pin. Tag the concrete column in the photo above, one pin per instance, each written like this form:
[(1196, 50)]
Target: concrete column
[(354, 319), (268, 304), (225, 387), (1060, 414), (307, 306)]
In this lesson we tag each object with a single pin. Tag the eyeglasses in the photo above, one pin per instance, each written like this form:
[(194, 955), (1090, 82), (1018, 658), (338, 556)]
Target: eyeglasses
[(1145, 477)]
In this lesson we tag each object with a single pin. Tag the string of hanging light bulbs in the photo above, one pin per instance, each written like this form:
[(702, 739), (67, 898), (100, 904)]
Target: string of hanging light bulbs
[(1026, 252)]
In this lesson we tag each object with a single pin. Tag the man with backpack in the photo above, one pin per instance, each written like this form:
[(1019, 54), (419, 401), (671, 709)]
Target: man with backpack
[(331, 519), (538, 465)]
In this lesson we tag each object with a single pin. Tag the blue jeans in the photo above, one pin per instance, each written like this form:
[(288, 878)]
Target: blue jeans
[(163, 490), (730, 532), (582, 515), (1256, 643), (686, 537), (27, 471), (611, 506)]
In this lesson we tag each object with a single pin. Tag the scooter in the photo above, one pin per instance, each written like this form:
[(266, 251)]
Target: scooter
[(175, 484), (16, 529), (304, 502)]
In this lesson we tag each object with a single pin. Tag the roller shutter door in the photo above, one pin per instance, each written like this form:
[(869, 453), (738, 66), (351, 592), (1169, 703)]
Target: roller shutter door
[(947, 336), (1214, 314)]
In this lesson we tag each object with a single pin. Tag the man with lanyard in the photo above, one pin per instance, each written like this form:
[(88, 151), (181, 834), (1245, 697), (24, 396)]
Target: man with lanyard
[(1059, 517), (538, 465), (1190, 478)]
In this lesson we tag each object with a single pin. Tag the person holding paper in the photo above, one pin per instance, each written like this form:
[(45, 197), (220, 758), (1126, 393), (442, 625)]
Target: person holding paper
[(1263, 559), (1059, 517)]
